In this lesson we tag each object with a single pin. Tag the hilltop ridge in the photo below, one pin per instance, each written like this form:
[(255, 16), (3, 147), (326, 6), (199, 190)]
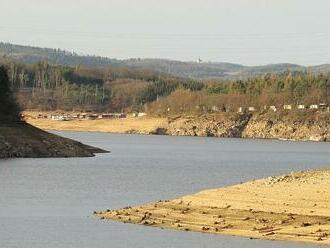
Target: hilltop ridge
[(195, 70)]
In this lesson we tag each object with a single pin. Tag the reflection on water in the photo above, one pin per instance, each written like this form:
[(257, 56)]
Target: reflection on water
[(49, 202)]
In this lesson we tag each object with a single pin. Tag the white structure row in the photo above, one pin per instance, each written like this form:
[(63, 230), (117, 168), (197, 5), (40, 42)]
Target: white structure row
[(322, 106), (82, 116)]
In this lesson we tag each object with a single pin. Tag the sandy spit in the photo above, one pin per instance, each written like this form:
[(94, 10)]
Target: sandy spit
[(294, 207)]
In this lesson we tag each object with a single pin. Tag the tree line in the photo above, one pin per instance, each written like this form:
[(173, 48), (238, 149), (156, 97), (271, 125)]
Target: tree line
[(298, 88), (47, 86)]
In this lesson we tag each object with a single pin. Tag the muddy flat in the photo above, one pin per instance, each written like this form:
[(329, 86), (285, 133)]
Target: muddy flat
[(294, 207)]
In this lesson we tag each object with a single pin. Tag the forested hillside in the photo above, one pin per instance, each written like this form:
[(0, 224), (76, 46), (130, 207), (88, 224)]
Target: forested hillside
[(195, 70), (46, 86), (212, 70), (300, 88), (127, 88), (28, 54)]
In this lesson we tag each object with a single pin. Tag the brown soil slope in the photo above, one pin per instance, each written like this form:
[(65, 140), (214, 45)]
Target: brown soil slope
[(294, 207)]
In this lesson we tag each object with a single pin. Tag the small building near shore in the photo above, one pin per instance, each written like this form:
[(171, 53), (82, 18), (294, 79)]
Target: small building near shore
[(273, 108), (287, 107), (106, 116), (60, 118), (240, 110), (252, 109), (323, 106), (215, 108), (92, 116), (82, 116)]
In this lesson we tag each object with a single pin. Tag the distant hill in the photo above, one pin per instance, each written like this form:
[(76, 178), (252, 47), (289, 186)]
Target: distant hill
[(186, 69), (212, 70), (28, 54), (207, 70)]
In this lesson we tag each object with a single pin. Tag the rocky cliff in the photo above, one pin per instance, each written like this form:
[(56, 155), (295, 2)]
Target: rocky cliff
[(225, 125), (314, 126)]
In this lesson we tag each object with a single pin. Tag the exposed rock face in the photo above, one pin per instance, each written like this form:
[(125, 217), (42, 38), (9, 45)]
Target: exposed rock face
[(311, 126), (314, 128), (229, 125), (23, 140)]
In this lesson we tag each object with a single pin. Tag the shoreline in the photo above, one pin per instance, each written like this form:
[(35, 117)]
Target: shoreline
[(293, 207), (226, 125)]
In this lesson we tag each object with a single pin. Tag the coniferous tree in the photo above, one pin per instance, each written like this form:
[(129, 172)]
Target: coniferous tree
[(9, 110)]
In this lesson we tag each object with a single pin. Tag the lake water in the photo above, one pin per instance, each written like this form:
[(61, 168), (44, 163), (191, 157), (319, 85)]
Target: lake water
[(48, 203)]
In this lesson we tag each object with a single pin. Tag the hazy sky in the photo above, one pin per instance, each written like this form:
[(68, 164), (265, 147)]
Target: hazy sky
[(250, 32)]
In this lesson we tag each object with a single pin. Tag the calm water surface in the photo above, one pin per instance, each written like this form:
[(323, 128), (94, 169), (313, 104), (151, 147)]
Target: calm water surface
[(48, 203)]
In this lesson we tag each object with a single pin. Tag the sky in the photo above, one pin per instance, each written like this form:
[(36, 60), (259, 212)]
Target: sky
[(249, 32)]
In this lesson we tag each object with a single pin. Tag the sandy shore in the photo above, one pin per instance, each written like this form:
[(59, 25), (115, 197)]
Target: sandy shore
[(143, 125), (295, 207)]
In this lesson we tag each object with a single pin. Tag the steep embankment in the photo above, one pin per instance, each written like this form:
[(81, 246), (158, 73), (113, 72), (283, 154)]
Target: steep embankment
[(293, 207), (314, 126), (24, 140)]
